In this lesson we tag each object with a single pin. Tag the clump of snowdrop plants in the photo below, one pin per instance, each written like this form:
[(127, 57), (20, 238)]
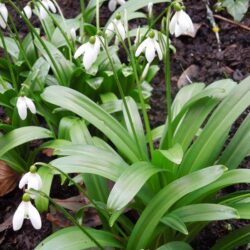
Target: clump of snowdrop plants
[(90, 112)]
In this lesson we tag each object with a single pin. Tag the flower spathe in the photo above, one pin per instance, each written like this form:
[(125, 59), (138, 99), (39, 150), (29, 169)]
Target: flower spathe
[(116, 27), (24, 103), (27, 11), (49, 5), (113, 3), (181, 24), (32, 179), (90, 51), (26, 211), (3, 15), (150, 46)]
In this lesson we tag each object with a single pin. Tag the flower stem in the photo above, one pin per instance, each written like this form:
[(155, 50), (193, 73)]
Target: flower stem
[(97, 15), (82, 4), (168, 79)]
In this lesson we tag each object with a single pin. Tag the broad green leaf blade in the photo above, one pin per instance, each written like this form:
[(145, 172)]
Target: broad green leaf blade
[(203, 153), (11, 46), (129, 184), (174, 154), (137, 123), (175, 223), (236, 8), (91, 112), (46, 174), (160, 204), (239, 146), (175, 245), (72, 238), (104, 165), (20, 136), (205, 212), (234, 239)]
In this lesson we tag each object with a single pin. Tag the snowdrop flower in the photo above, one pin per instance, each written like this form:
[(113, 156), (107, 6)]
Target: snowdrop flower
[(26, 211), (150, 46), (181, 24), (32, 179), (90, 51), (27, 11), (24, 103), (116, 26), (3, 15), (150, 9), (49, 5), (113, 3)]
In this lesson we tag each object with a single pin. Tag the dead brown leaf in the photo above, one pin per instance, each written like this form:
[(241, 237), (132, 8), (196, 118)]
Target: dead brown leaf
[(185, 78), (197, 26), (8, 179), (49, 152)]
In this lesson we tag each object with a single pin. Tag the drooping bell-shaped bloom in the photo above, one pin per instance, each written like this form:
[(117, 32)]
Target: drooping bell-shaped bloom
[(90, 51), (181, 24), (3, 15), (24, 103), (47, 5), (113, 3), (150, 46), (26, 211), (116, 27), (27, 11), (32, 179)]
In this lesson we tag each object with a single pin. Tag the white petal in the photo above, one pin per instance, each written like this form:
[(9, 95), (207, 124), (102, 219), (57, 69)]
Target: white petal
[(24, 180), (34, 216), (112, 5), (158, 49), (51, 6), (81, 50), (172, 24), (34, 182), (3, 16), (178, 30), (121, 30), (110, 30), (43, 13), (21, 107), (141, 47), (150, 51), (19, 217), (27, 11), (185, 22), (30, 105), (89, 58)]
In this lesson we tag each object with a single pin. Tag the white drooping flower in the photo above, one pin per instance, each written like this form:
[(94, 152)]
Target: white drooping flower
[(26, 211), (27, 11), (46, 5), (113, 3), (150, 46), (181, 24), (3, 15), (32, 179), (90, 51), (24, 103), (116, 27)]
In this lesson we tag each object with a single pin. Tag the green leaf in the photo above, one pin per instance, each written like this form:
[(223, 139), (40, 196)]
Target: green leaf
[(239, 146), (91, 112), (175, 245), (20, 136), (160, 204), (208, 145), (234, 239), (72, 238), (174, 154), (11, 46), (205, 212), (129, 184), (236, 8), (46, 174), (175, 223)]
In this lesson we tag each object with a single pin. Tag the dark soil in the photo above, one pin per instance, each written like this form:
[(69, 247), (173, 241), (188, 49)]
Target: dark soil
[(233, 62)]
